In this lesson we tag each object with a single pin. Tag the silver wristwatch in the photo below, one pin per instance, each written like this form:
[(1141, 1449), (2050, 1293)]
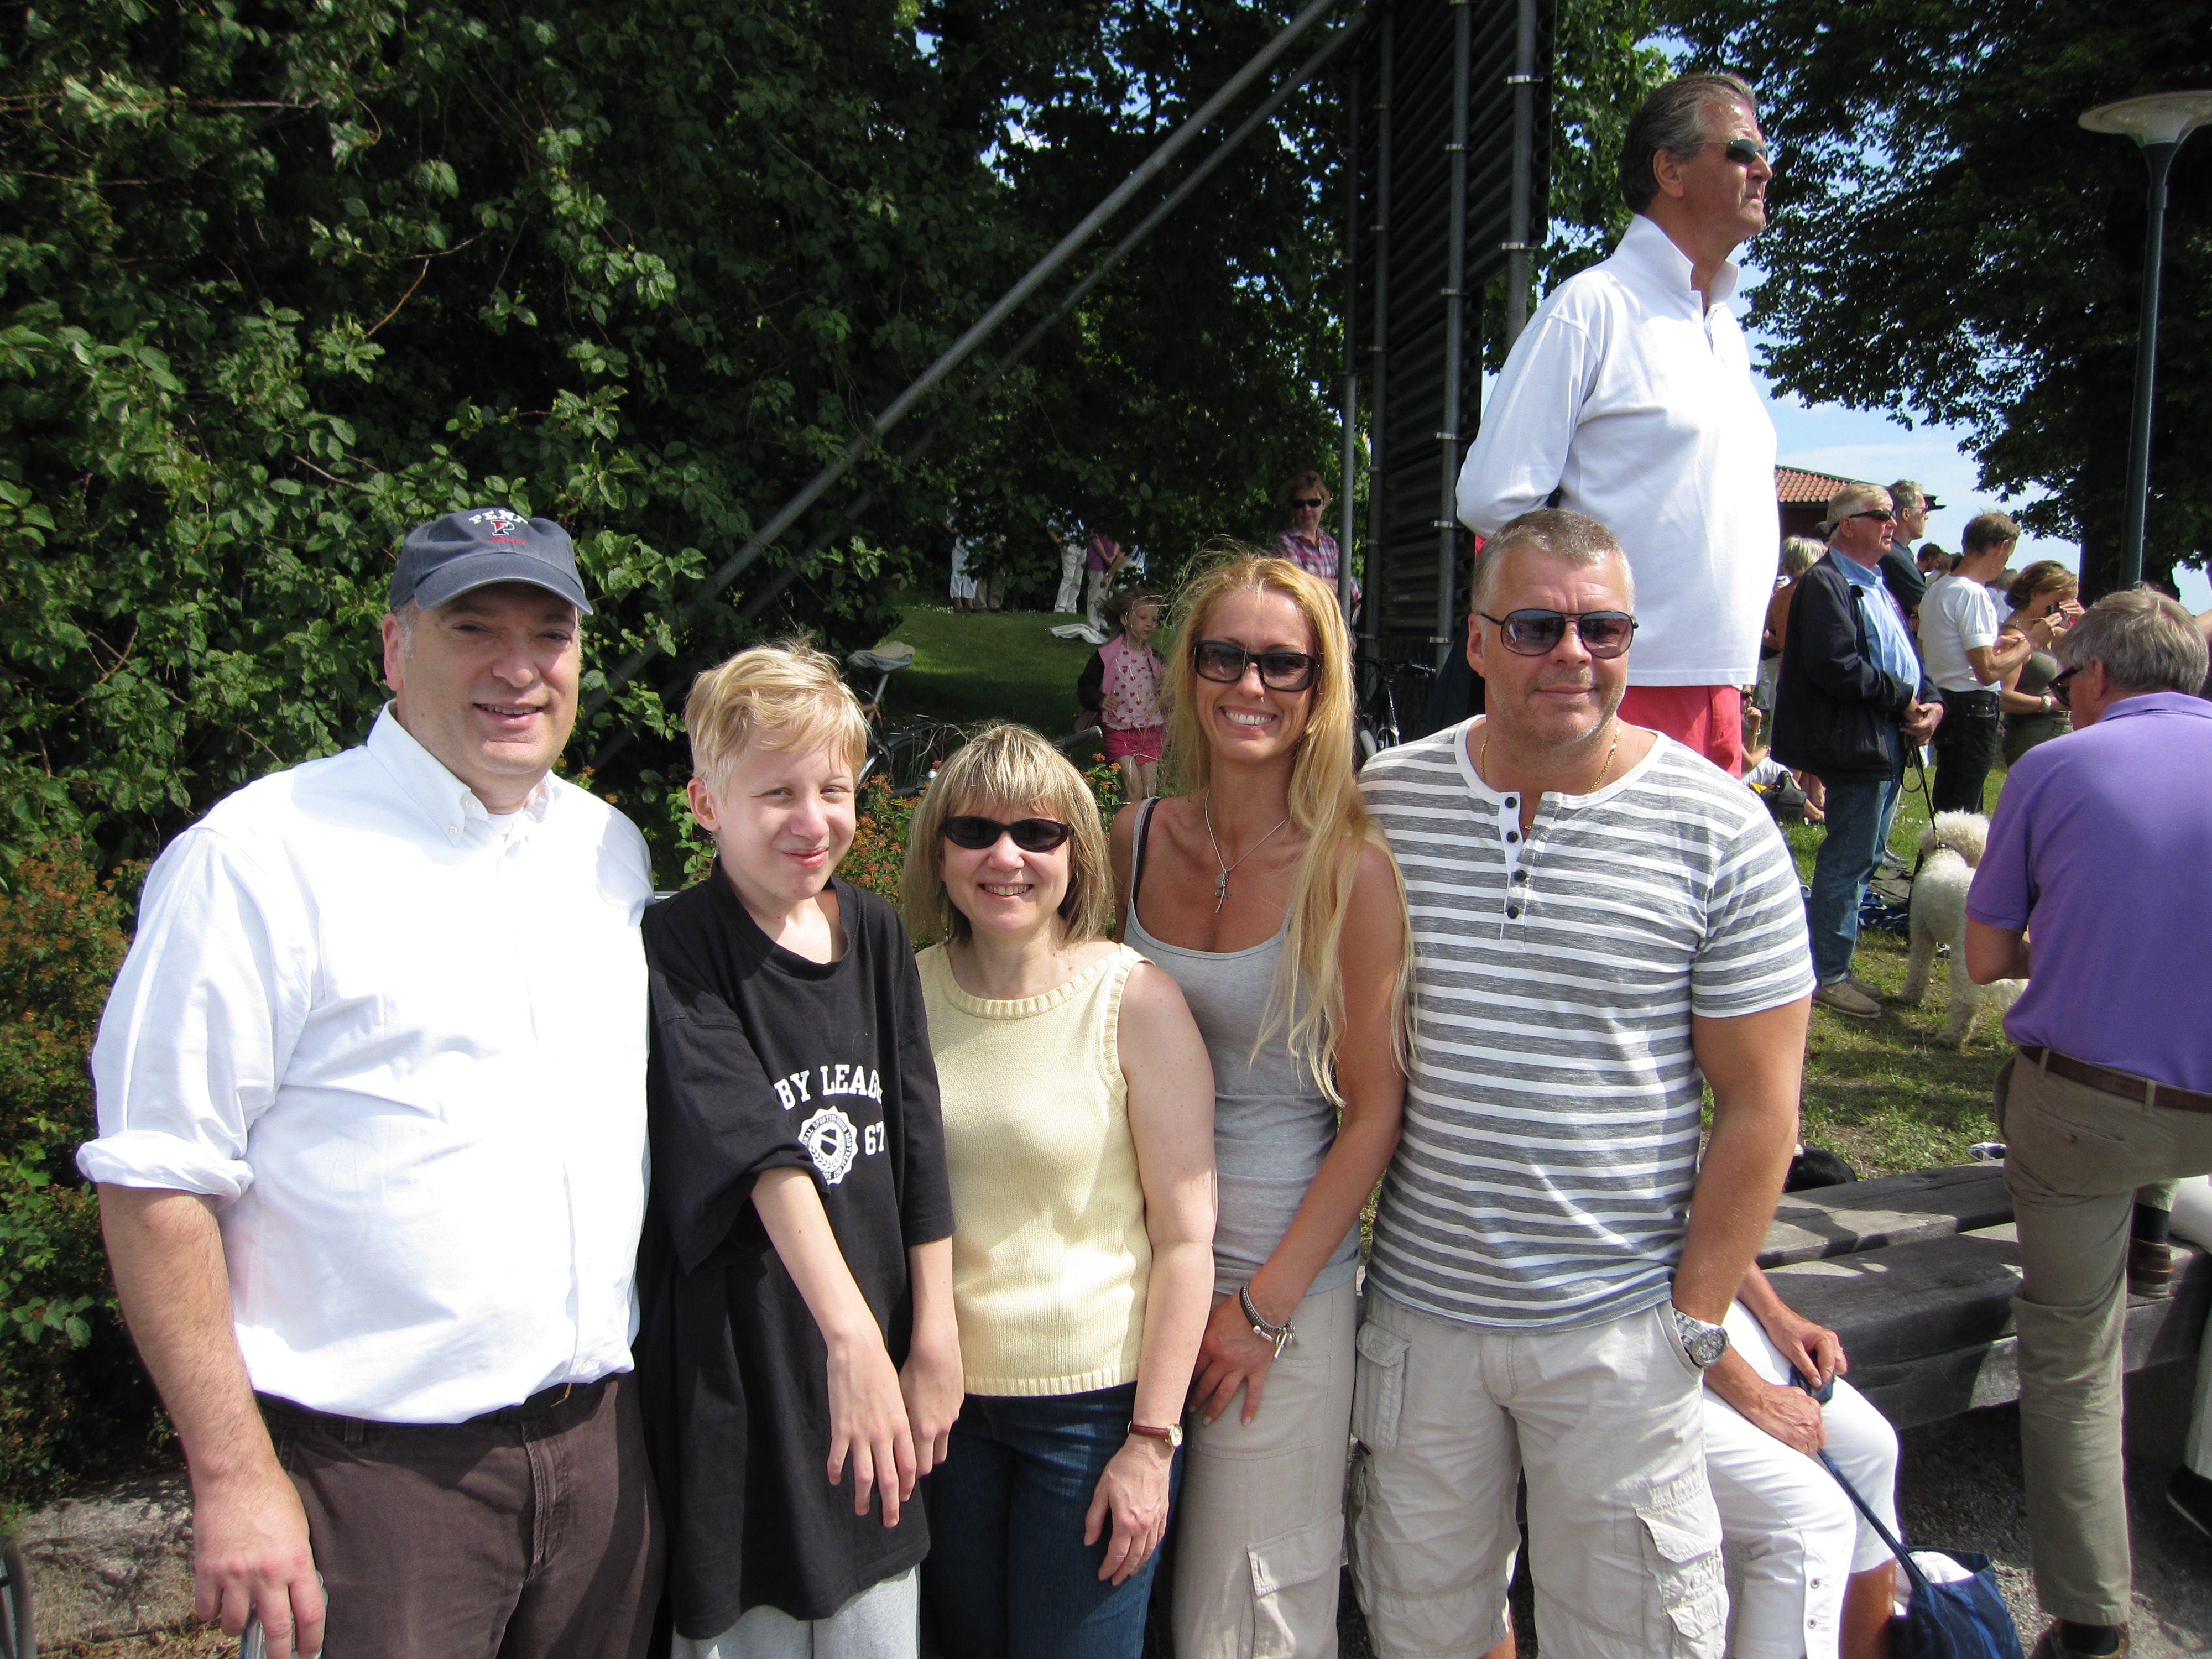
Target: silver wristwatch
[(1704, 1343)]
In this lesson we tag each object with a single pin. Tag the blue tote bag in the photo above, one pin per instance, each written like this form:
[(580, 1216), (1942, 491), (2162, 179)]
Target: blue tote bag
[(1967, 1620)]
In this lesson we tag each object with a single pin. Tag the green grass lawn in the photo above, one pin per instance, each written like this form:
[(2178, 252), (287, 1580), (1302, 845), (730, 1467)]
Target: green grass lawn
[(987, 664), (1879, 1091)]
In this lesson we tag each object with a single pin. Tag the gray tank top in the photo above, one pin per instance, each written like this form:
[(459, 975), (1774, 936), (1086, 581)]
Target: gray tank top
[(1271, 1124)]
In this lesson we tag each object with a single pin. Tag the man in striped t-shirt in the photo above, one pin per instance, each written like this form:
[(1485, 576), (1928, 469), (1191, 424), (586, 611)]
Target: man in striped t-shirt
[(1603, 921)]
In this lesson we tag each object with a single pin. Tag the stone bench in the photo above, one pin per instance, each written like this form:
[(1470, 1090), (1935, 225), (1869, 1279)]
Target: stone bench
[(1916, 1273)]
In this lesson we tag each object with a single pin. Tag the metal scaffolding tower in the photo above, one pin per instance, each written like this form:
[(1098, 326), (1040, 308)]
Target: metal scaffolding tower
[(1454, 154)]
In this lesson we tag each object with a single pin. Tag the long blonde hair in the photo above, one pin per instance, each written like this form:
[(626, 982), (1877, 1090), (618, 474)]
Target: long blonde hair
[(1307, 998)]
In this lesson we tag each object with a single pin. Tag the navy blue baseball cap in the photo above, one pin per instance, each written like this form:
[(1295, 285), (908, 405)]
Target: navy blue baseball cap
[(446, 558)]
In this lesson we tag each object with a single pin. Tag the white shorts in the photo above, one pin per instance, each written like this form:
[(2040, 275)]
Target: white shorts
[(1624, 1545)]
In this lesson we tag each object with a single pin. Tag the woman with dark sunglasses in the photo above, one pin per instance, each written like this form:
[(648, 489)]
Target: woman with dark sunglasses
[(1270, 895), (1305, 543), (1078, 1141)]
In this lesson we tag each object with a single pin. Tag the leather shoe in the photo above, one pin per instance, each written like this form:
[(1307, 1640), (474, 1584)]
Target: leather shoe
[(2150, 1267), (2051, 1648), (1845, 998)]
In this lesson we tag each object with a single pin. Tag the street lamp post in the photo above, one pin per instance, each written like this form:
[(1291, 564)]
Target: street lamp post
[(2159, 123)]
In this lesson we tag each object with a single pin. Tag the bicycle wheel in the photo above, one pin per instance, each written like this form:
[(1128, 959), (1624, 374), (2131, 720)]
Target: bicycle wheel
[(877, 762), (915, 748)]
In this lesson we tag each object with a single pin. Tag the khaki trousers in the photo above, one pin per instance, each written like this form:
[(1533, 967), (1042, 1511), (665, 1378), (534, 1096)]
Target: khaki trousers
[(2075, 1156), (1260, 1527)]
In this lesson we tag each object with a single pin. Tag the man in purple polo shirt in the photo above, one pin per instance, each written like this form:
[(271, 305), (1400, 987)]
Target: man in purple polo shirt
[(2099, 848)]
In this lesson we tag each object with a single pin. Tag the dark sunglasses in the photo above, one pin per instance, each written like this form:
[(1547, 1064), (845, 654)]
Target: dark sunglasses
[(1031, 834), (1304, 501), (1881, 512), (1533, 633), (1744, 151), (1224, 660), (2060, 687)]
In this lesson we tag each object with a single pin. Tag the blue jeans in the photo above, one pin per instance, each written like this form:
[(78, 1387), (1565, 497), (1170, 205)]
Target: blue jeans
[(1858, 808), (1008, 1575)]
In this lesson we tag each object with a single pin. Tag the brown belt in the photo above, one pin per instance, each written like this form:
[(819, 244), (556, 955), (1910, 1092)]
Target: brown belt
[(2139, 1090)]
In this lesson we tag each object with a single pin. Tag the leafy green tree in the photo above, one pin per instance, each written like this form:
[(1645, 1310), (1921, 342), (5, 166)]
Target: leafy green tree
[(1948, 244), (1204, 369), (281, 279)]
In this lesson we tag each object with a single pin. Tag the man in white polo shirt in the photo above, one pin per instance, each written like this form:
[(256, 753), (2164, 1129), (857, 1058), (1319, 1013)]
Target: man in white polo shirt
[(1630, 395), (1961, 620), (1603, 924), (372, 1152)]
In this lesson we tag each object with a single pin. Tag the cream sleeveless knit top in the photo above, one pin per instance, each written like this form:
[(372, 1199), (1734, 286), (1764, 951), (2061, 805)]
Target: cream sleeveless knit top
[(1050, 1251)]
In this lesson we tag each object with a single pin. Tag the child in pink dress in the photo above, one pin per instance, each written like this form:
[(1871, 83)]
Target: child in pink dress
[(1124, 682)]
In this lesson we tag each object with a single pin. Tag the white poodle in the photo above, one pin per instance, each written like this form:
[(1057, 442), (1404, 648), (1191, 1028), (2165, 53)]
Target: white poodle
[(1950, 848)]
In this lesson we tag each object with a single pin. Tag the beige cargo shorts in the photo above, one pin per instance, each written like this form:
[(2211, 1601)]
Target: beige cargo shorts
[(1625, 1543)]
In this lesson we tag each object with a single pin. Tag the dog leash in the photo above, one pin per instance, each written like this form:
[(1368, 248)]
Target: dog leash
[(1928, 795)]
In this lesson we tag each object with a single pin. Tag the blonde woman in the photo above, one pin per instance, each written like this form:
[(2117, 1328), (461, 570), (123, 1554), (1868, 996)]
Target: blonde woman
[(1268, 894), (1079, 1139)]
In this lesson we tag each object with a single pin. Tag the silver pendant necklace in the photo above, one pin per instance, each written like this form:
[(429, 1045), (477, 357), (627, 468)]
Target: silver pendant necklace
[(1221, 881)]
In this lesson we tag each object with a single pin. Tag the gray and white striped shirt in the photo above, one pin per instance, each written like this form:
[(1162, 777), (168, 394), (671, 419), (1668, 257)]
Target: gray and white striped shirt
[(1551, 1128)]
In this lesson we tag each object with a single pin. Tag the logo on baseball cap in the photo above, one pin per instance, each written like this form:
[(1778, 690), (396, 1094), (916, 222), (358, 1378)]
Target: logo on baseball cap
[(448, 557)]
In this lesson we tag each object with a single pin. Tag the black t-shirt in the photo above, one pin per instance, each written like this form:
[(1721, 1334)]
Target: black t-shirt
[(763, 1061)]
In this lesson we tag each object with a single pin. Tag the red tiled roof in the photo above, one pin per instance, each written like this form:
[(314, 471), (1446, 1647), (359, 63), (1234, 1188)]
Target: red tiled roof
[(1795, 487)]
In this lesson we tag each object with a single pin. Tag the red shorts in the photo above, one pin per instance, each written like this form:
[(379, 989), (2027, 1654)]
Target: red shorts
[(1142, 744), (1708, 718)]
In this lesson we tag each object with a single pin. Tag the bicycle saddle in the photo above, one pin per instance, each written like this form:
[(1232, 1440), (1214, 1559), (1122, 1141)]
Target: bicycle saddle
[(884, 662)]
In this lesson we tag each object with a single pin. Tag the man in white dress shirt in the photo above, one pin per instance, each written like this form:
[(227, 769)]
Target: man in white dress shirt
[(372, 1153), (1630, 395)]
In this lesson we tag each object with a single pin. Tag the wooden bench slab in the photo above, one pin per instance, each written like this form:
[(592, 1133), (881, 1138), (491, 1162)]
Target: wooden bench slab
[(1892, 1210), (1928, 1324)]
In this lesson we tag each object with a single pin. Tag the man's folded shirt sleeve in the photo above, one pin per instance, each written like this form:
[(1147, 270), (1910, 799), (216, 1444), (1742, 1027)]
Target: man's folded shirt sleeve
[(200, 1026)]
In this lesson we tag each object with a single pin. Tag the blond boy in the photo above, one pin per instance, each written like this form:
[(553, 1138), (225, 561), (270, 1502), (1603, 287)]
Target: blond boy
[(801, 1361)]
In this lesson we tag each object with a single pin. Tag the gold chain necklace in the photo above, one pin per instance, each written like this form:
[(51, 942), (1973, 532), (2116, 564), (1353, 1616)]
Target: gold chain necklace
[(1221, 881), (1481, 770)]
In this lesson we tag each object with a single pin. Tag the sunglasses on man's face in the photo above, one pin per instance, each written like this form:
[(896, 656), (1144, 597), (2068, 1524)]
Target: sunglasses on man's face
[(975, 832), (1534, 633), (1303, 502), (1744, 151), (1224, 661), (2061, 688), (1880, 513)]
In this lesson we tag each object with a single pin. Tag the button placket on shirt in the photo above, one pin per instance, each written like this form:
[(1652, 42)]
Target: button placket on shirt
[(1513, 842)]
